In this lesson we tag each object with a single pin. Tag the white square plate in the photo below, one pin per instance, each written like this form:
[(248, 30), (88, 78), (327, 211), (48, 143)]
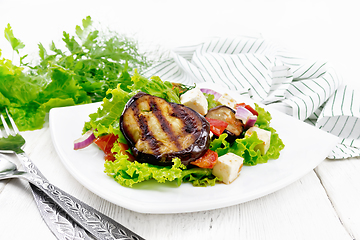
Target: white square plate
[(305, 147)]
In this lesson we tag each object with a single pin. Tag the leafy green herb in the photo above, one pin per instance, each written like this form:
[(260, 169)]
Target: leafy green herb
[(16, 44), (92, 63), (98, 61), (12, 143), (182, 88)]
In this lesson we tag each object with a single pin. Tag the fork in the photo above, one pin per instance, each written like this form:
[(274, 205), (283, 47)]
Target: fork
[(55, 217), (94, 222)]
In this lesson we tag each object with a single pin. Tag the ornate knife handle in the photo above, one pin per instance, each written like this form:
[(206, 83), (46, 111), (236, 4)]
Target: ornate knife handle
[(94, 222)]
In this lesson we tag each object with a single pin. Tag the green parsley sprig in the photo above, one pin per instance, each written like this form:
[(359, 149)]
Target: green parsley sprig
[(92, 62)]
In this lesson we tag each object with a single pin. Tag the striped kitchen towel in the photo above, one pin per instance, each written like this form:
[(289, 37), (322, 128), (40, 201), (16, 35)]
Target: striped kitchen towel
[(309, 90)]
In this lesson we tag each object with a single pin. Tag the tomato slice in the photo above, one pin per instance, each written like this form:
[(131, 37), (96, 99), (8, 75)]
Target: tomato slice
[(123, 149), (208, 160), (106, 143), (109, 157), (217, 126), (248, 107)]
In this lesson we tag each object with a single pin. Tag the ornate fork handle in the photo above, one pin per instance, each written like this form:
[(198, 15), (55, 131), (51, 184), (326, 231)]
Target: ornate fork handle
[(96, 223)]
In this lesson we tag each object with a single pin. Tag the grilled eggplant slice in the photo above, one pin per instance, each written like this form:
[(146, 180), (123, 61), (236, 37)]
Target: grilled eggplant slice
[(157, 131), (235, 126)]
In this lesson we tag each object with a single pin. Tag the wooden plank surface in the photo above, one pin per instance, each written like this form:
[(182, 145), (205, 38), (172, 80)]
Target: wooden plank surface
[(322, 205), (341, 180), (302, 210)]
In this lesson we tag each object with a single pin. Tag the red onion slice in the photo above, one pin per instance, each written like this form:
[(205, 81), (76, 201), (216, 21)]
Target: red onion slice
[(250, 122), (243, 114), (85, 140), (210, 91)]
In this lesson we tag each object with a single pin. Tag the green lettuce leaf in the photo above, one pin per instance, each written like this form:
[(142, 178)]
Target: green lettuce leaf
[(251, 157), (198, 177), (92, 63), (18, 87), (220, 145), (156, 87), (276, 144), (28, 117), (57, 102), (128, 173), (19, 92), (211, 100), (244, 147), (106, 119), (12, 143)]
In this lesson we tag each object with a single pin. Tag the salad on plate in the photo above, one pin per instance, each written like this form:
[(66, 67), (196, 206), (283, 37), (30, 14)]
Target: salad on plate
[(154, 129)]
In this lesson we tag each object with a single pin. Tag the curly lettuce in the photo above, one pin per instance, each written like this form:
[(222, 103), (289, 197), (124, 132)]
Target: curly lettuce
[(156, 87), (245, 147), (210, 98), (128, 173), (92, 62), (106, 119)]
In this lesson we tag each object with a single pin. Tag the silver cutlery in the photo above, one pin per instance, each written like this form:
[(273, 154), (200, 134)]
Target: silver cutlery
[(94, 222), (61, 225)]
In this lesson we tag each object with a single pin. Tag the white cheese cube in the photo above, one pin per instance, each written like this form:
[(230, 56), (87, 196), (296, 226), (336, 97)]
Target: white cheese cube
[(227, 100), (195, 100), (263, 135), (228, 167)]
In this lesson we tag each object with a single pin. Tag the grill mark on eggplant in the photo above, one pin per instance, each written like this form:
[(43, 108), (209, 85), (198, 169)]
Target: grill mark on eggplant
[(146, 135), (190, 125), (164, 123), (190, 129)]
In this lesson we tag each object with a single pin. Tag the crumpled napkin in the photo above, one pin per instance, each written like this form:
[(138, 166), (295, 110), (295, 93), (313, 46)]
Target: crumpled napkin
[(310, 90)]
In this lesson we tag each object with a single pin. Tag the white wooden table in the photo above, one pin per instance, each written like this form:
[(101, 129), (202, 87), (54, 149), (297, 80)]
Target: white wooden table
[(324, 204)]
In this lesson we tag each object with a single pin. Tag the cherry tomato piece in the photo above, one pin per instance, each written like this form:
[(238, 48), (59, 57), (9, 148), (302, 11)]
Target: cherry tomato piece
[(106, 143), (217, 127), (208, 160)]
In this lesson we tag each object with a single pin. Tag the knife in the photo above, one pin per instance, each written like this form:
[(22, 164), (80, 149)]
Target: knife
[(94, 222), (60, 224)]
